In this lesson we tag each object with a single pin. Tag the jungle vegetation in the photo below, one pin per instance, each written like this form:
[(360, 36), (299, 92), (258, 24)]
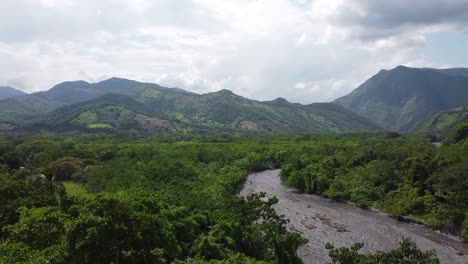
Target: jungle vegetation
[(69, 198), (403, 176)]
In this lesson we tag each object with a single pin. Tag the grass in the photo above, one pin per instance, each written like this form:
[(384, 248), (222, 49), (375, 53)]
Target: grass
[(86, 118)]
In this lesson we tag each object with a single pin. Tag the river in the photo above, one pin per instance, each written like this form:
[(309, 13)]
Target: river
[(322, 220)]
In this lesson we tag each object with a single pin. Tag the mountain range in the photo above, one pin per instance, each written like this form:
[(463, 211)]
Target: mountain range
[(401, 99), (121, 104), (398, 99)]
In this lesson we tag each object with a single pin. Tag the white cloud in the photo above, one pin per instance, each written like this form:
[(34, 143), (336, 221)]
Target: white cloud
[(302, 39), (301, 50)]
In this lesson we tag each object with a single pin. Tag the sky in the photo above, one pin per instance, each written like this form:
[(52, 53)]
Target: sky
[(302, 50)]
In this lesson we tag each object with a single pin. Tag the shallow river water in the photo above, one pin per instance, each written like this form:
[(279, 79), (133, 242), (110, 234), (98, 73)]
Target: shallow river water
[(322, 220)]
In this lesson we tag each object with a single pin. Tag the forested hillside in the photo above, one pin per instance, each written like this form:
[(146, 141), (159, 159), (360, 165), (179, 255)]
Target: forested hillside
[(125, 106), (399, 98), (441, 123)]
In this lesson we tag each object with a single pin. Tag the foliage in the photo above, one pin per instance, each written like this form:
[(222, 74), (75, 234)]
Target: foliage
[(173, 198), (458, 133), (439, 124), (406, 253), (401, 176), (137, 201)]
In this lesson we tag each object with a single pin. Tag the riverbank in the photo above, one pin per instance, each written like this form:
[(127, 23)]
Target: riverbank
[(407, 219), (325, 221)]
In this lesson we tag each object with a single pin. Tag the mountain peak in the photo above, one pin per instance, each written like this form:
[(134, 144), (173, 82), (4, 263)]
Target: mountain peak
[(401, 67), (9, 92), (71, 84), (279, 101), (9, 88), (115, 80), (225, 91), (397, 99)]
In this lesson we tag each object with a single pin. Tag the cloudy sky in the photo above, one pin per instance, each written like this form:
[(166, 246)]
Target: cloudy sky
[(303, 50)]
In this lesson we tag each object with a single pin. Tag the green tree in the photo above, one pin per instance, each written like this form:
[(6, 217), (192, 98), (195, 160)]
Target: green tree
[(406, 253)]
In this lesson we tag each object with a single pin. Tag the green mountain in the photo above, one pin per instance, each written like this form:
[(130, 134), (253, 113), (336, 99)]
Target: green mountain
[(67, 93), (110, 111), (225, 109), (13, 113), (397, 99), (120, 104), (441, 123), (9, 92)]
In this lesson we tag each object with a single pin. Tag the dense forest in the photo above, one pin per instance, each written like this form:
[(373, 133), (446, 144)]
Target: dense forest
[(405, 177), (174, 198), (107, 200)]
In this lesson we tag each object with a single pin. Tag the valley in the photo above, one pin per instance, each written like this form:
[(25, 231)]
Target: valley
[(324, 221), (97, 197), (233, 132)]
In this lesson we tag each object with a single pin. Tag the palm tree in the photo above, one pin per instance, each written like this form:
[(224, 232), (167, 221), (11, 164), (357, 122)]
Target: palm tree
[(47, 184)]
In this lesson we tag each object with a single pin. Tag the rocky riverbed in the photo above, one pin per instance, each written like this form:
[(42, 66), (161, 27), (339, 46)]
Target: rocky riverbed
[(322, 220)]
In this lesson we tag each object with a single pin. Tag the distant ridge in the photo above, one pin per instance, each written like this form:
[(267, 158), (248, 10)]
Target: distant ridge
[(9, 92), (122, 105), (398, 99)]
